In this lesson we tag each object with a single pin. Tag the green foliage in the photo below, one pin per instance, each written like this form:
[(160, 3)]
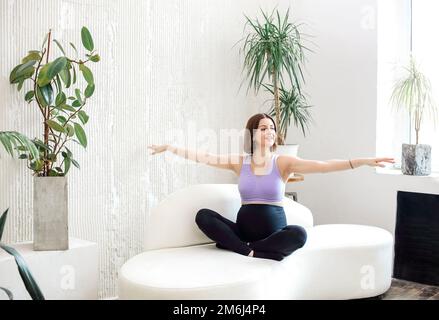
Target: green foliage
[(274, 52), (25, 274), (414, 94), (55, 91), (12, 140), (293, 106)]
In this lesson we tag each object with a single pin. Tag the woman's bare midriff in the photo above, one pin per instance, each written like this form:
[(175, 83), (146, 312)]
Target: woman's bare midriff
[(260, 202)]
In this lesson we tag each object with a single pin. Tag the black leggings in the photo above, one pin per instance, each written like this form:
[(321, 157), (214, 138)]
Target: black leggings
[(259, 227)]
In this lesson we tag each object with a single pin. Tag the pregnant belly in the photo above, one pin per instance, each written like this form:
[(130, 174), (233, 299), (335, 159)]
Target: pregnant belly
[(258, 221)]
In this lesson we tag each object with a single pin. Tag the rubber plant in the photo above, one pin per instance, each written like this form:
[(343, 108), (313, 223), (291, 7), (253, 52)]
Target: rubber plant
[(53, 89), (25, 274)]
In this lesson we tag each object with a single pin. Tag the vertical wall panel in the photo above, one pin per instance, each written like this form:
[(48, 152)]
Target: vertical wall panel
[(165, 66)]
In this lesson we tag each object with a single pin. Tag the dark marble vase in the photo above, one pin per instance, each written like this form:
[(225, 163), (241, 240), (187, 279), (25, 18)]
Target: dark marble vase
[(416, 159)]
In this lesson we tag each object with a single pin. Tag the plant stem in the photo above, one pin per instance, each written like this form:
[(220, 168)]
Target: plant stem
[(277, 106), (67, 121), (62, 145), (46, 117)]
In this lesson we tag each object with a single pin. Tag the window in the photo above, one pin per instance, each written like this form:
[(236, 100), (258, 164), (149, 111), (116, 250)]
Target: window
[(404, 26)]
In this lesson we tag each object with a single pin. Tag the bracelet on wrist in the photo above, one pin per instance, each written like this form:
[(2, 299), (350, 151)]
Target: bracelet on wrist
[(351, 164)]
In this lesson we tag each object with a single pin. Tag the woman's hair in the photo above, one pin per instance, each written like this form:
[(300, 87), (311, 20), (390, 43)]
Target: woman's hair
[(252, 124)]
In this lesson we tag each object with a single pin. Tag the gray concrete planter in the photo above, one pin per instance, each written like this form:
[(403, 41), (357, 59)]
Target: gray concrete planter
[(416, 159), (50, 214)]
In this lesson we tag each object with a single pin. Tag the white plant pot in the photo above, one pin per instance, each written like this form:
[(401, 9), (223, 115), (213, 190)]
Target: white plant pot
[(50, 214), (287, 149)]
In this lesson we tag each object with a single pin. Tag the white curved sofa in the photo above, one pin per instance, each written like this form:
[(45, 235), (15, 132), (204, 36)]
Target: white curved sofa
[(180, 262)]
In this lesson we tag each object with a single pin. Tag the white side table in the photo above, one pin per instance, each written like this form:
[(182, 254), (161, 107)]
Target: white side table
[(61, 275)]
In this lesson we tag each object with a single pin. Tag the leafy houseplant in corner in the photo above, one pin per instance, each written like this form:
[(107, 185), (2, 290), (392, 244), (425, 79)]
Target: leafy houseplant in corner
[(413, 92), (25, 274), (53, 88), (273, 51)]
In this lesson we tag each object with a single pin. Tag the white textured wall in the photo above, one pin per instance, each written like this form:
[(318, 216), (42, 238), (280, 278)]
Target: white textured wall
[(165, 65)]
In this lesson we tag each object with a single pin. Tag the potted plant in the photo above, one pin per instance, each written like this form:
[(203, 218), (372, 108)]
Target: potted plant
[(53, 88), (25, 274), (413, 93), (274, 51)]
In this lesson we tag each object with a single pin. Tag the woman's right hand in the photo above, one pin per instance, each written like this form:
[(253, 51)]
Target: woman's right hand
[(158, 148)]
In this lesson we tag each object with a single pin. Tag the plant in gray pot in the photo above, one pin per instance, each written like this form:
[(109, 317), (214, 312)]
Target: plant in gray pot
[(59, 95), (274, 51), (414, 94)]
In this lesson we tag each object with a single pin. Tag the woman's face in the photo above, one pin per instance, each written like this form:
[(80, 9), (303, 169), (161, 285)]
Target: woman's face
[(265, 135)]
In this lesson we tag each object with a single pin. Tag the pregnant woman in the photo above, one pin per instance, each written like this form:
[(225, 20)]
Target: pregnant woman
[(261, 228)]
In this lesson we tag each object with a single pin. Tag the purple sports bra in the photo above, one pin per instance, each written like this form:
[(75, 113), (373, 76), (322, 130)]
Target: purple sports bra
[(265, 188)]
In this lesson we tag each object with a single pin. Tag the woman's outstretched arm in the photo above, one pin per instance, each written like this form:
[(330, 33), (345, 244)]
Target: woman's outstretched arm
[(226, 161), (298, 165)]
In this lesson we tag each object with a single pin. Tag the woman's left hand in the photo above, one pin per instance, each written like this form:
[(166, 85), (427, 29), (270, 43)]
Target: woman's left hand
[(375, 162)]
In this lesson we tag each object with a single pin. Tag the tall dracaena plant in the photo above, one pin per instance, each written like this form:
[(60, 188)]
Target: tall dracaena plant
[(61, 105), (413, 92), (273, 48)]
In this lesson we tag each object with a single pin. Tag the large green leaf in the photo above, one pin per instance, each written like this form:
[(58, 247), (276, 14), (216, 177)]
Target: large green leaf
[(47, 94), (9, 139), (83, 116), (60, 98), (76, 164), (74, 48), (33, 55), (29, 95), (56, 66), (78, 95), (65, 77), (89, 90), (86, 38), (60, 46), (95, 58), (20, 84), (3, 218), (22, 72), (55, 126), (25, 274), (61, 119), (74, 75), (86, 72), (8, 292), (22, 69), (76, 104), (67, 163), (70, 130), (43, 79), (67, 107), (50, 70), (13, 75), (81, 135)]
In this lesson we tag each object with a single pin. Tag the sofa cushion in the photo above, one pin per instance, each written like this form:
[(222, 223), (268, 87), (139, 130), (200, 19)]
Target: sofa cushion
[(172, 222)]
